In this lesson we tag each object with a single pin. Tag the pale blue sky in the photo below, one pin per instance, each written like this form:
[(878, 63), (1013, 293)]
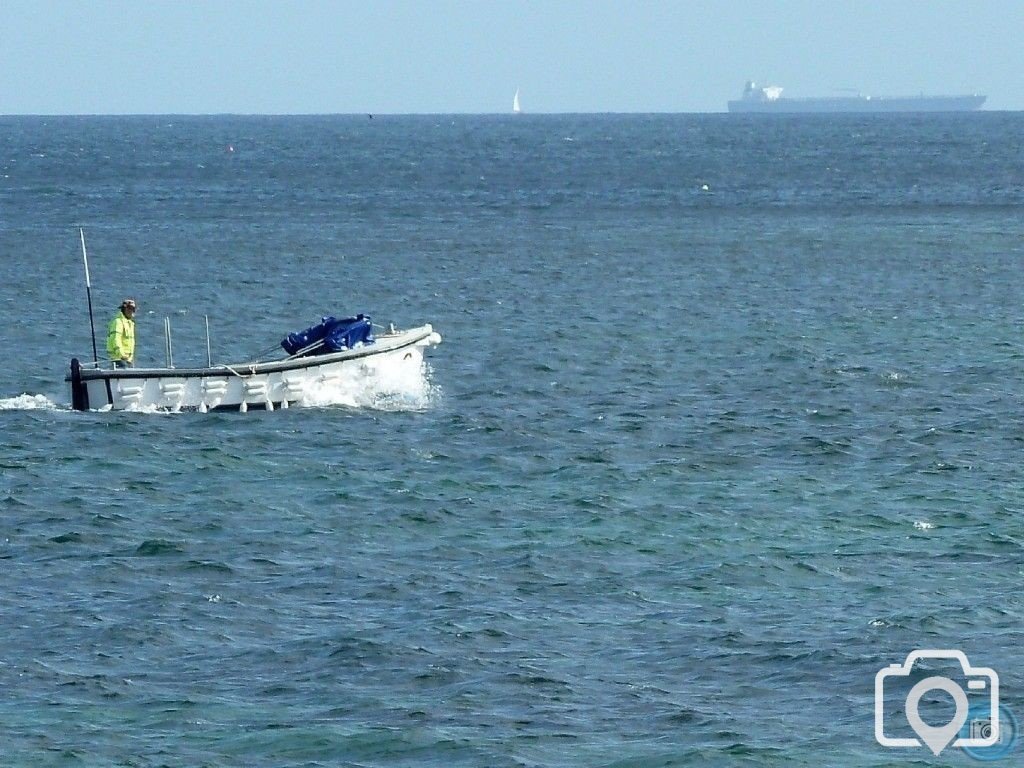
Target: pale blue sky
[(414, 56)]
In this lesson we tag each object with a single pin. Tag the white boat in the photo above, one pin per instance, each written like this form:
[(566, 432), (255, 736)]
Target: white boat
[(289, 380), (516, 108)]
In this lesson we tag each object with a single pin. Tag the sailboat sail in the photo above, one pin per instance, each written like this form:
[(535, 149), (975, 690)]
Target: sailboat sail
[(515, 103)]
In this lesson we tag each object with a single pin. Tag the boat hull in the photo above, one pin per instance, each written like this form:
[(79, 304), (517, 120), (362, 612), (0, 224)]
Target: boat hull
[(269, 385)]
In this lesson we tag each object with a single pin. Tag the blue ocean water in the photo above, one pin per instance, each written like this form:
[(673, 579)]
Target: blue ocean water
[(726, 419)]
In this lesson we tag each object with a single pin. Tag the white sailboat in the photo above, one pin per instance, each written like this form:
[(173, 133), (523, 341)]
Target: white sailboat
[(516, 108)]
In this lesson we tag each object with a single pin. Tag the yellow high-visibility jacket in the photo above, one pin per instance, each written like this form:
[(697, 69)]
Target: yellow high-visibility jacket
[(121, 338)]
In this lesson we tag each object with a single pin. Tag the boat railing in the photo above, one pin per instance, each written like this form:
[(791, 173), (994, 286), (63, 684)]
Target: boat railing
[(264, 356), (96, 364)]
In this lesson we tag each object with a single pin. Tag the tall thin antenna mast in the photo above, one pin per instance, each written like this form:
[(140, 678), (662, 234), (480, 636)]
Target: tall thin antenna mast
[(88, 293)]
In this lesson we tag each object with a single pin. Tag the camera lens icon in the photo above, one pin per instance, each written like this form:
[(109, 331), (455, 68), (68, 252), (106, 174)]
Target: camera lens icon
[(980, 680), (981, 729)]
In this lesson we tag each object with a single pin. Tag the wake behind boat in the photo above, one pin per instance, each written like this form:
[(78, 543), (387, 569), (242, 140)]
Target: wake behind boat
[(332, 353)]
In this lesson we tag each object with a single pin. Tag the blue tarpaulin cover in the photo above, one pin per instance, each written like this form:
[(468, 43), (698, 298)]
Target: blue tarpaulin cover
[(330, 335)]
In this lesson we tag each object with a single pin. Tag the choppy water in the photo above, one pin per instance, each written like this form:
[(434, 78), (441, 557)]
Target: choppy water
[(726, 418)]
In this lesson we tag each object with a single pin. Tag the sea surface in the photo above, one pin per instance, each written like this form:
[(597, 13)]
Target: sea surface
[(727, 418)]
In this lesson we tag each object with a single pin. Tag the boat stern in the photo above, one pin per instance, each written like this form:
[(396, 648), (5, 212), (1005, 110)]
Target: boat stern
[(79, 391)]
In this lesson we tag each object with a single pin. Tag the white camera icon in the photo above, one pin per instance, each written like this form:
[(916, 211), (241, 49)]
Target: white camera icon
[(937, 738)]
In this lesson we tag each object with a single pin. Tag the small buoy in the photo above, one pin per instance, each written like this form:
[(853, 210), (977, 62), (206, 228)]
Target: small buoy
[(231, 148), (704, 187), (244, 407)]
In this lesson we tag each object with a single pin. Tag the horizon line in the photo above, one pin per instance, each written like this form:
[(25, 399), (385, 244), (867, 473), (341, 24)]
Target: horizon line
[(509, 114)]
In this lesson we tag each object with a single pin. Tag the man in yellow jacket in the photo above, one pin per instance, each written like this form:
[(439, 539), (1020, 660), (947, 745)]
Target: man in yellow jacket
[(121, 336)]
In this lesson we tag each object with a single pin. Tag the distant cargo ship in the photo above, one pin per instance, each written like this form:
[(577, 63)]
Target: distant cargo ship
[(770, 99)]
